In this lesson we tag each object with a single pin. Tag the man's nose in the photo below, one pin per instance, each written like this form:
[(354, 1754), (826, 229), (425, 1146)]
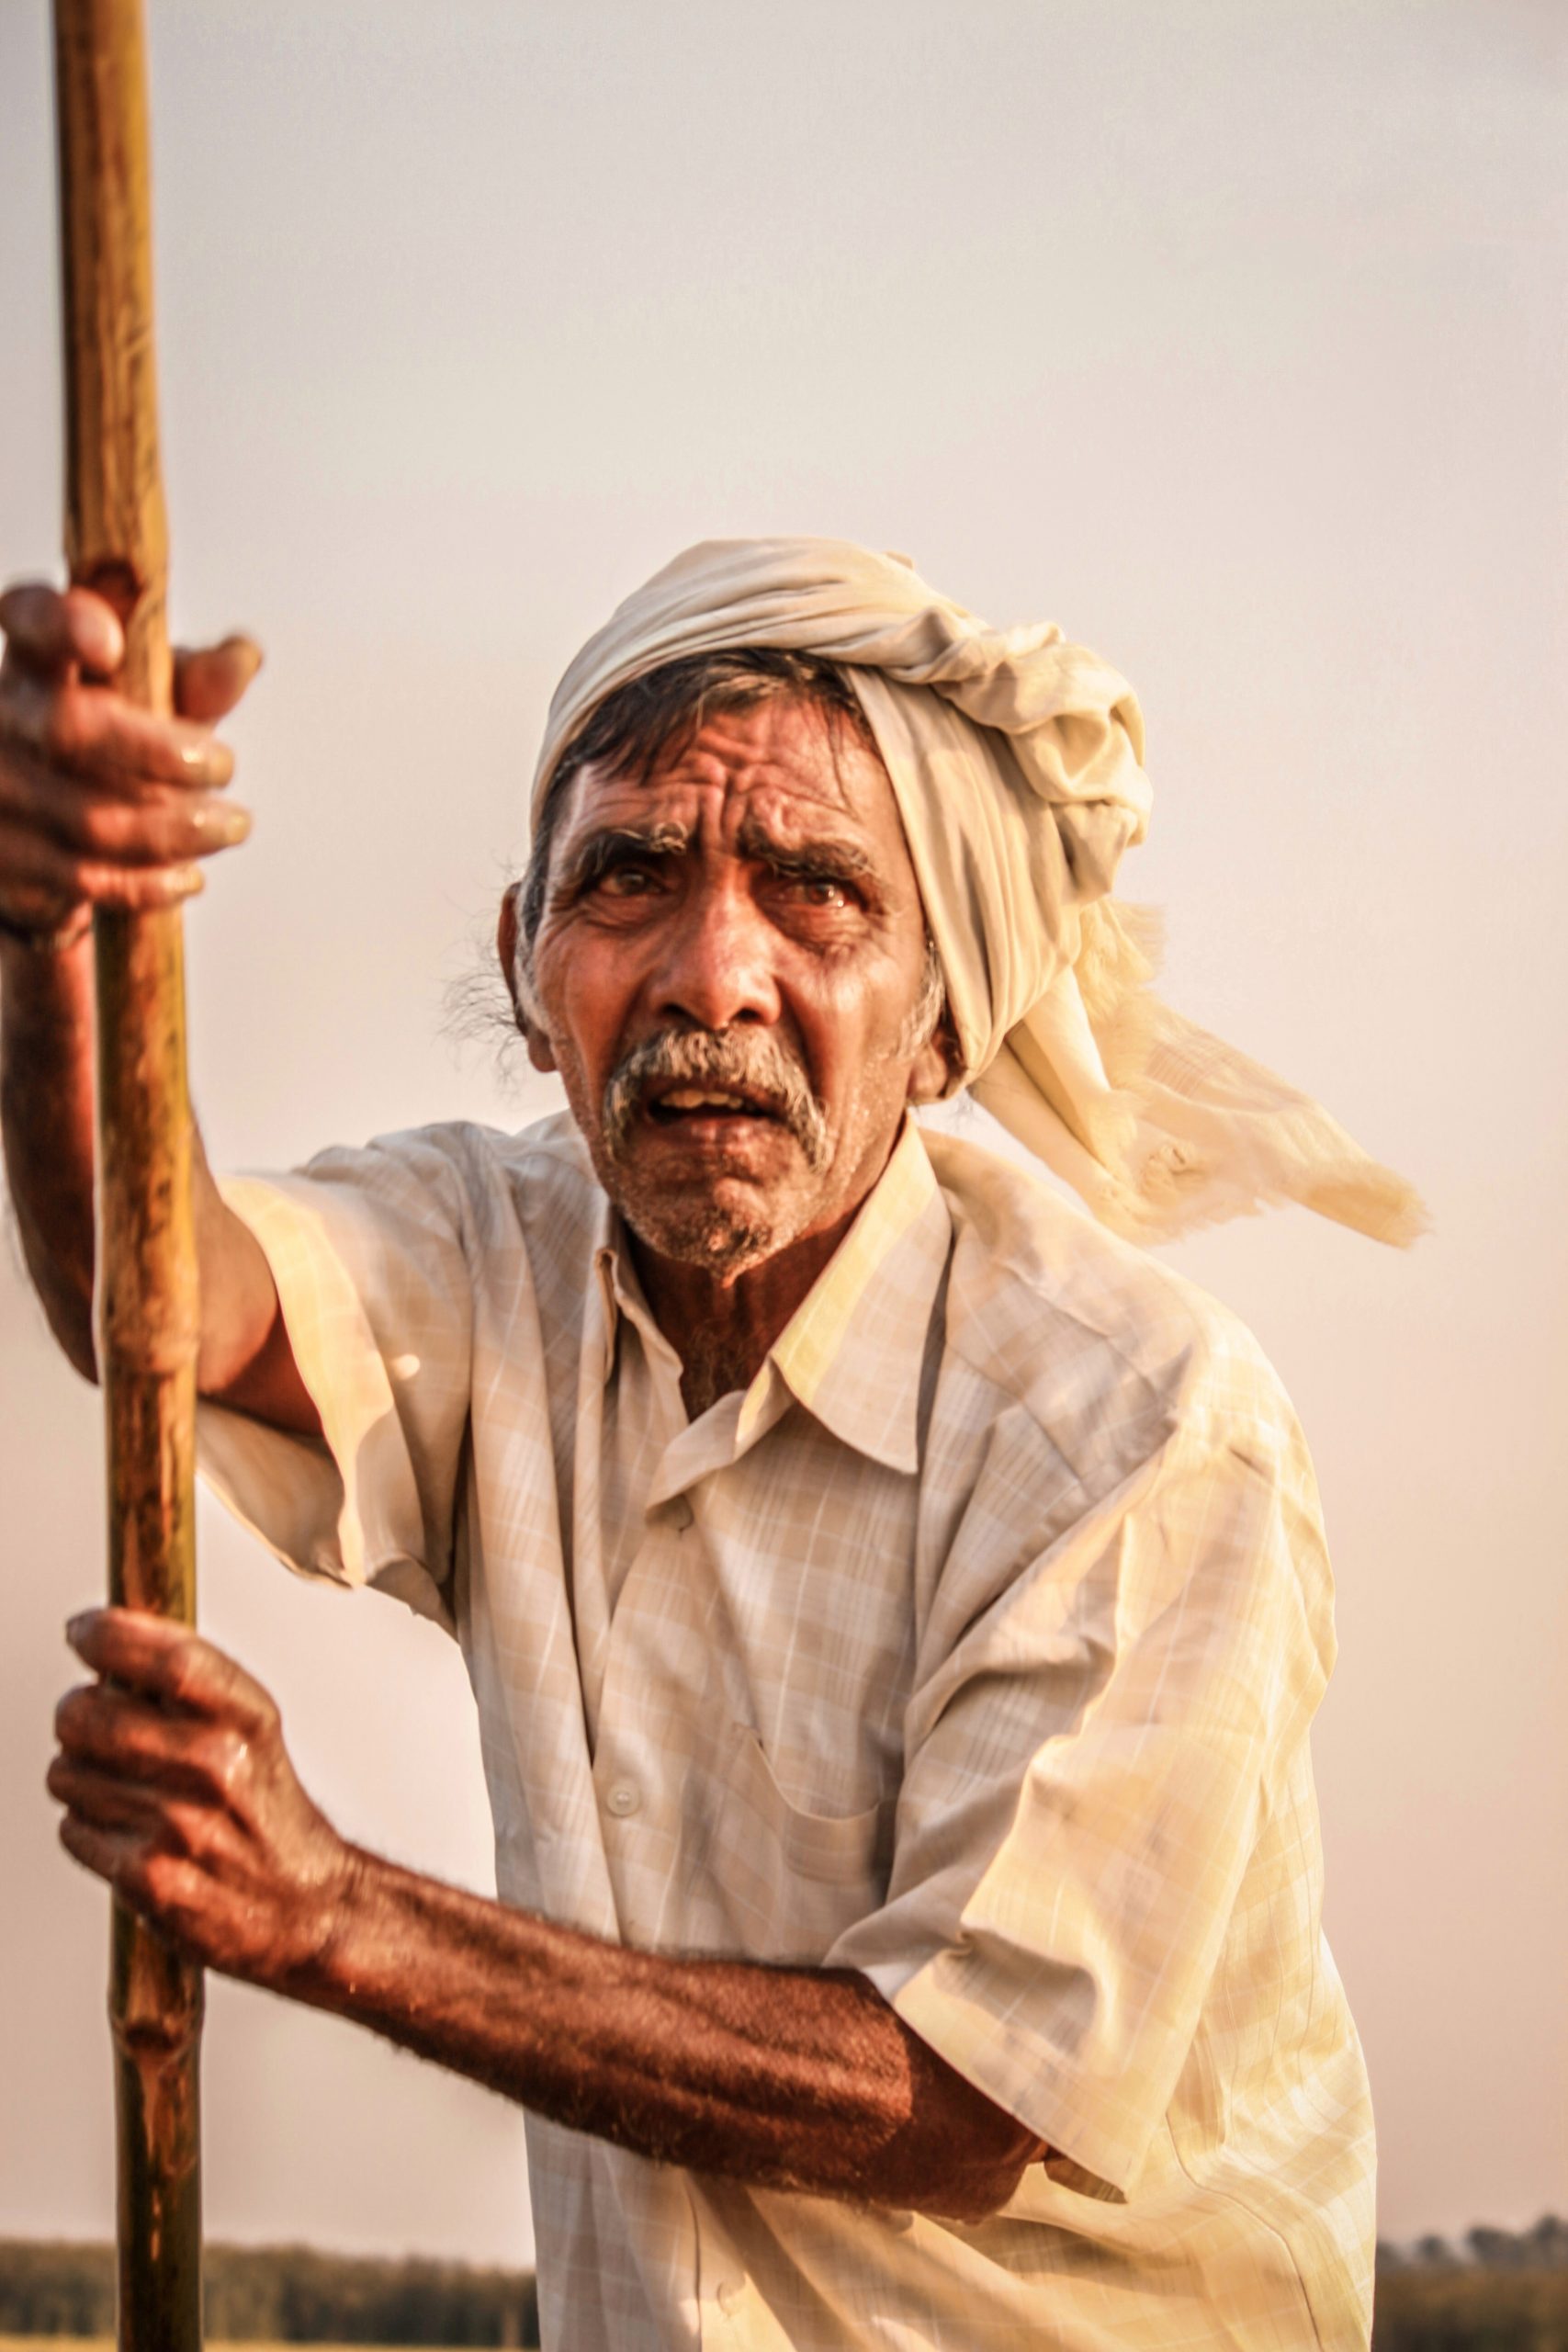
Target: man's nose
[(719, 965)]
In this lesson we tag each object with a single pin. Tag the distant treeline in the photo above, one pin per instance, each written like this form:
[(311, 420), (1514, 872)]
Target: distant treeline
[(1498, 2291), (1502, 2291), (1545, 2247), (288, 2294)]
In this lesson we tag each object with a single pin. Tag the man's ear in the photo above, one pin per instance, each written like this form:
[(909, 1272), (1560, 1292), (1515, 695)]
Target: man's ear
[(934, 1064), (539, 1045)]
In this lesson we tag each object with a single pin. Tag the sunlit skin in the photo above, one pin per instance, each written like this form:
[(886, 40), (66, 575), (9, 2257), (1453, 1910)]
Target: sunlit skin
[(758, 881), (172, 1771)]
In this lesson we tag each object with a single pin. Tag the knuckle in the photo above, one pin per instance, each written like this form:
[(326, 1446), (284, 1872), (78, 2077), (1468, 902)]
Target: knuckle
[(148, 1878), (230, 1752), (69, 1714), (185, 1668), (190, 1828), (167, 1880)]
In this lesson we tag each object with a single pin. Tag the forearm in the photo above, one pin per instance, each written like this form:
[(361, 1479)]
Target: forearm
[(180, 1791), (788, 2078), (46, 1111)]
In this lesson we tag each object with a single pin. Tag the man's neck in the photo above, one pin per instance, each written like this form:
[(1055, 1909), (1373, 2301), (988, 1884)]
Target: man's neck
[(722, 1331)]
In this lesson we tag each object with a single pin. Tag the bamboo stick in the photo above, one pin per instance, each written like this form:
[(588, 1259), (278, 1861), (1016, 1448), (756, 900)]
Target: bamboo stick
[(147, 1315)]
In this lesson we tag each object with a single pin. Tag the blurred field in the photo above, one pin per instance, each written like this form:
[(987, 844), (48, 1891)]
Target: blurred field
[(1430, 2309), (1472, 2310), (267, 2297)]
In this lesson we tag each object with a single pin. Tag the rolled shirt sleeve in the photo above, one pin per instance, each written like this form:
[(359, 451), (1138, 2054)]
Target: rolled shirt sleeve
[(1086, 1771), (367, 1251)]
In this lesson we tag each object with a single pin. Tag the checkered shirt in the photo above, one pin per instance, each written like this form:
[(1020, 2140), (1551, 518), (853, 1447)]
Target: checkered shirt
[(974, 1646)]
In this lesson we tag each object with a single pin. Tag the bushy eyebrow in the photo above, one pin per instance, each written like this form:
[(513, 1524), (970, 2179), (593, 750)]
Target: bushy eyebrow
[(587, 860), (828, 857)]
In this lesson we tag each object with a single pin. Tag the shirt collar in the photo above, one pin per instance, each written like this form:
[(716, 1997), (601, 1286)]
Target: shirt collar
[(851, 1354)]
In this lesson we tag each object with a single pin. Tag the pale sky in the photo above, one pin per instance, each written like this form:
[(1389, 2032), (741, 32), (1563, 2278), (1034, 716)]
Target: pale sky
[(1233, 338)]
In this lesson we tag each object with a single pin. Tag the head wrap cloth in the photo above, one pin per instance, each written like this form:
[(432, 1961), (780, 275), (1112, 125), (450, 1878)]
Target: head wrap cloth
[(1016, 761)]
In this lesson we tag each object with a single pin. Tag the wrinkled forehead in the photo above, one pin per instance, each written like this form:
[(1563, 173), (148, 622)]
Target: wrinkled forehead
[(784, 767)]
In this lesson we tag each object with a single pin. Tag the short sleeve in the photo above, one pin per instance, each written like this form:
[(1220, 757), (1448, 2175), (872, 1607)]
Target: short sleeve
[(1086, 1776), (367, 1250)]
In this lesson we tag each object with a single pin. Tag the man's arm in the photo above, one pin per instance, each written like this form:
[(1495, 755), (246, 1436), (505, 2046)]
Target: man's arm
[(105, 805), (179, 1790)]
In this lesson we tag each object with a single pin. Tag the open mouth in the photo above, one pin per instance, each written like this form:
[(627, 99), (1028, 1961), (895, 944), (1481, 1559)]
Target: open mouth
[(675, 1103), (719, 1094)]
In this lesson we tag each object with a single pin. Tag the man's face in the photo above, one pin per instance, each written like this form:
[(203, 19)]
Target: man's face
[(727, 964)]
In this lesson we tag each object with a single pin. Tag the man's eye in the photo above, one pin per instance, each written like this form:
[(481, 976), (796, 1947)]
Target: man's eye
[(625, 881), (819, 890)]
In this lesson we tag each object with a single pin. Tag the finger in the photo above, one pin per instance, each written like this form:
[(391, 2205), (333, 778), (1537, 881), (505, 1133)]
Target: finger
[(91, 733), (47, 628), (138, 1739), (105, 1800), (161, 1824), (44, 883), (114, 1854), (169, 1662), (210, 680), (162, 1887), (158, 826)]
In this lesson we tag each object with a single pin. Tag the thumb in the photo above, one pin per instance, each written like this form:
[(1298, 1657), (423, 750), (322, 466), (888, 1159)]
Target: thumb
[(210, 680)]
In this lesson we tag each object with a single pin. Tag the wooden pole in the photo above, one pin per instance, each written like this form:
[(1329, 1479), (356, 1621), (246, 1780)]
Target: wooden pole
[(147, 1313)]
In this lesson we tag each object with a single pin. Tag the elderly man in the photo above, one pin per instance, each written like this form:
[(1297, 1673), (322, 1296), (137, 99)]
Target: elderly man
[(894, 1605)]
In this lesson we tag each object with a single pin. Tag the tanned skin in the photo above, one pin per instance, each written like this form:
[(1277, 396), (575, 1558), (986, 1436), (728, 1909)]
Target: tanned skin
[(781, 904), (103, 805)]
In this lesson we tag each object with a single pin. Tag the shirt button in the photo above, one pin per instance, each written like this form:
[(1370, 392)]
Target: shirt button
[(730, 2295), (623, 1799)]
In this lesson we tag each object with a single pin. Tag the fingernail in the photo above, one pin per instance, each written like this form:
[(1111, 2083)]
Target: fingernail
[(77, 1626), (246, 652), (224, 823), (207, 763), (186, 880)]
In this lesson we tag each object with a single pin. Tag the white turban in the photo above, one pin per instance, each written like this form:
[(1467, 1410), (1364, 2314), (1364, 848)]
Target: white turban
[(1016, 761)]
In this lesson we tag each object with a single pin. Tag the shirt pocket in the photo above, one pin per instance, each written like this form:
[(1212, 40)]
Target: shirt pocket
[(789, 1882)]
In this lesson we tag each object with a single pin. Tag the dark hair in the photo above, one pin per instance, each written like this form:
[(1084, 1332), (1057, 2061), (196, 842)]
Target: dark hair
[(634, 727)]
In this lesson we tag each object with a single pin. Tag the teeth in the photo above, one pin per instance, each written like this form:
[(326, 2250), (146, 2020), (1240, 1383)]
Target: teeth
[(688, 1098)]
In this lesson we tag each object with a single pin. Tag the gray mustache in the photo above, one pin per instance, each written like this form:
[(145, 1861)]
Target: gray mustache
[(742, 1059)]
